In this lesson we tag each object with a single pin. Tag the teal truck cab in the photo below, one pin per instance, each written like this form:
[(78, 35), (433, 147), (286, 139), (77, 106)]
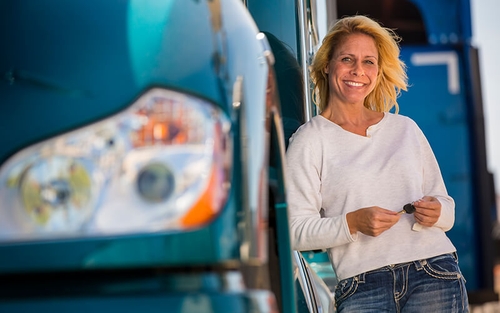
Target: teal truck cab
[(141, 161)]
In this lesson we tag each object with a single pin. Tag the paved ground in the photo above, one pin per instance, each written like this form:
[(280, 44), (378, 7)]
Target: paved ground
[(490, 307)]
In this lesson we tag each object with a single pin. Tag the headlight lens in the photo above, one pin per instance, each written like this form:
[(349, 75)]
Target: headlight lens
[(162, 164)]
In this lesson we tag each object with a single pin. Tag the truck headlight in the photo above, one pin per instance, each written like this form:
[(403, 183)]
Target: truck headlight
[(162, 164)]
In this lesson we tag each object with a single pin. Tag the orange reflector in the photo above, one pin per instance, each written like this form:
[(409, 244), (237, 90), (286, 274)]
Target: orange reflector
[(211, 200), (207, 205)]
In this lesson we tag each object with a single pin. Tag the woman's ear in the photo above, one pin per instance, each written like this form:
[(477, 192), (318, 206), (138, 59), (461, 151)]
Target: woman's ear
[(326, 69)]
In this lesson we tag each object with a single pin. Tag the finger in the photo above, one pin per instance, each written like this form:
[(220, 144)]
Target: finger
[(390, 219), (433, 213), (426, 204), (427, 212), (425, 220)]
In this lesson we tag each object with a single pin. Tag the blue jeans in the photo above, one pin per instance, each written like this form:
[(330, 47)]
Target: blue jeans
[(433, 285)]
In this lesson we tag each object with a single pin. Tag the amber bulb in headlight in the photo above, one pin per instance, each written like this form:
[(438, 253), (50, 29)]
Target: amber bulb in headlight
[(167, 122)]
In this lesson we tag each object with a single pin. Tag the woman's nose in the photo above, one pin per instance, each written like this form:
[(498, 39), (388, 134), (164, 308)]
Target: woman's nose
[(357, 69)]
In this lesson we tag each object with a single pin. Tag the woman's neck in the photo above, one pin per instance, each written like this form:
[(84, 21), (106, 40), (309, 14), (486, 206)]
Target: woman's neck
[(353, 119)]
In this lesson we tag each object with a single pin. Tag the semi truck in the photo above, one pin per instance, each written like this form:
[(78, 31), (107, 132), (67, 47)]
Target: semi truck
[(141, 156), (143, 146)]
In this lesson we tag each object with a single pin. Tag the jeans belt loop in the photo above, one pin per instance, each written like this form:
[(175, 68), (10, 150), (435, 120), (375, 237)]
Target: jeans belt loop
[(419, 264), (361, 277)]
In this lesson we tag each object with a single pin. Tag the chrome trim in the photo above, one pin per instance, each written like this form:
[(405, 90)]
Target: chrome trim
[(314, 30), (302, 18), (305, 279), (309, 42), (248, 222)]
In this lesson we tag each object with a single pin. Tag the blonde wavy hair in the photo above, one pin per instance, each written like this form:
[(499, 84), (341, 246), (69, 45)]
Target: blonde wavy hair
[(391, 78)]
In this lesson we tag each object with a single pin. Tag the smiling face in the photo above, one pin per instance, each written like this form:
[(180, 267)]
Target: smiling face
[(352, 70)]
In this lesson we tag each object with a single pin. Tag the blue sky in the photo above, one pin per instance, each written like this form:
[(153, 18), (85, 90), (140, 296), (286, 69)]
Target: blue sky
[(486, 37)]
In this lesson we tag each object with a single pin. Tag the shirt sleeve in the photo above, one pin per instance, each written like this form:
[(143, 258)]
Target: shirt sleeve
[(308, 229), (433, 185)]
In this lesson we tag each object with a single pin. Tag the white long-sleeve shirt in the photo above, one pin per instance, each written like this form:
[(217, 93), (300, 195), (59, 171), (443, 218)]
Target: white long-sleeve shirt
[(331, 172)]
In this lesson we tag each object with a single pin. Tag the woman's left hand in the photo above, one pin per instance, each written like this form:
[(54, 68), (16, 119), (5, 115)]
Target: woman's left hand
[(428, 211)]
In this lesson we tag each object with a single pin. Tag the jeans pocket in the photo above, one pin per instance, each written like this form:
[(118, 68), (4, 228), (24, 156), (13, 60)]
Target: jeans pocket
[(443, 267), (346, 288)]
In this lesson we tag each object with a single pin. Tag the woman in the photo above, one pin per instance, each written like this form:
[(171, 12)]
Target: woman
[(353, 167)]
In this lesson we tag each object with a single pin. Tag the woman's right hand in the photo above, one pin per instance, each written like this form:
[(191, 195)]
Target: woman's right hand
[(371, 221)]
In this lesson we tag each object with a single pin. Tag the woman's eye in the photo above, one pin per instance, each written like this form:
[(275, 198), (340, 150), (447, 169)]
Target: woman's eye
[(346, 59)]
